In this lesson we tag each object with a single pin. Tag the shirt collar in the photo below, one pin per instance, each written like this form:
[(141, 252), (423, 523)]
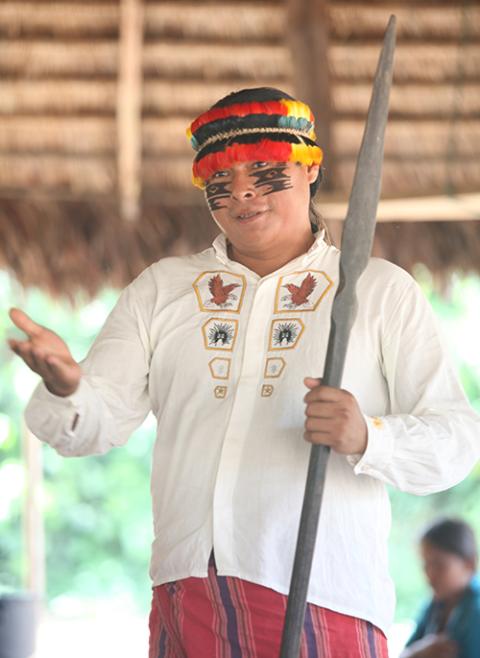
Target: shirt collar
[(221, 253)]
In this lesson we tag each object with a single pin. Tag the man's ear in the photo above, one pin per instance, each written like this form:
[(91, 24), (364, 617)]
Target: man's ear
[(313, 172)]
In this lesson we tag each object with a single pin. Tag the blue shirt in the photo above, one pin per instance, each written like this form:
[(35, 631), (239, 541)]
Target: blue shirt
[(463, 626)]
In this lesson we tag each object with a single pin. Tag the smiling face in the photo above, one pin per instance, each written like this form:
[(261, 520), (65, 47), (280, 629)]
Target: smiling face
[(447, 573), (262, 206)]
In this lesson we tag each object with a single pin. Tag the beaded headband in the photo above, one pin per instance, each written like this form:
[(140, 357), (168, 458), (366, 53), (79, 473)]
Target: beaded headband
[(274, 131)]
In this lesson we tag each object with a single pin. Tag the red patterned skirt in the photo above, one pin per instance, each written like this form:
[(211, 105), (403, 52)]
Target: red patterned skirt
[(225, 617)]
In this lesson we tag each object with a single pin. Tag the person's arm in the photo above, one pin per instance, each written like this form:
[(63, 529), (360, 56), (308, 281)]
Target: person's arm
[(430, 440), (110, 398), (431, 646)]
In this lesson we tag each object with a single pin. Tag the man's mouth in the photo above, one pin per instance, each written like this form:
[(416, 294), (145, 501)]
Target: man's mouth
[(249, 215)]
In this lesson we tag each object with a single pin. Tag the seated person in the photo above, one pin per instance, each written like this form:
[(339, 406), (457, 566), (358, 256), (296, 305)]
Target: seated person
[(450, 625)]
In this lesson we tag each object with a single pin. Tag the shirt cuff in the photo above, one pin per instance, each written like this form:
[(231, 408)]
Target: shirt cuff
[(53, 418), (379, 447), (68, 401)]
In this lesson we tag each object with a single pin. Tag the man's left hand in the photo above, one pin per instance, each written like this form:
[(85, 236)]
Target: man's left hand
[(333, 418)]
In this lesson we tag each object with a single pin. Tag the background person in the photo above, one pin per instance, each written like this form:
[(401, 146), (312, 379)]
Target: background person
[(449, 627)]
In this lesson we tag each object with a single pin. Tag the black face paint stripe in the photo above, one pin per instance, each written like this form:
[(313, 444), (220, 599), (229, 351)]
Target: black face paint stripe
[(274, 178), (215, 192)]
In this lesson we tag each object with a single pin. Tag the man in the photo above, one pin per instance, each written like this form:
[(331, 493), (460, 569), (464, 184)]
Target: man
[(221, 345)]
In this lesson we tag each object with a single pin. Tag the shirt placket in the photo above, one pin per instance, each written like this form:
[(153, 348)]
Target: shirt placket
[(250, 376)]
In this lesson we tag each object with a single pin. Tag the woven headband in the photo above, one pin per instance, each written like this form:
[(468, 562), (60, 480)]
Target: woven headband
[(274, 131)]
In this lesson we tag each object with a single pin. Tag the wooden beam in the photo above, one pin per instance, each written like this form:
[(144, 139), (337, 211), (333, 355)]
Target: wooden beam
[(34, 534), (460, 207), (129, 107), (307, 35)]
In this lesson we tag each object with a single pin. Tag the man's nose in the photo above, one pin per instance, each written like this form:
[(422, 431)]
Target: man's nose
[(242, 186)]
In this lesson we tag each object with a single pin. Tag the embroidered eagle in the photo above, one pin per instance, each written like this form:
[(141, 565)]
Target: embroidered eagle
[(299, 294), (221, 294)]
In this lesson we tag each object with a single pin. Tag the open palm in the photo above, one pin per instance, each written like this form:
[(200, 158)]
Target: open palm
[(46, 354)]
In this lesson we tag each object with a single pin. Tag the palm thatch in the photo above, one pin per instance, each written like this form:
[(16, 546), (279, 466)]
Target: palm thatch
[(78, 157)]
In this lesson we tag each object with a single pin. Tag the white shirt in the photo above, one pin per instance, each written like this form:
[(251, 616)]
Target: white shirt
[(219, 354)]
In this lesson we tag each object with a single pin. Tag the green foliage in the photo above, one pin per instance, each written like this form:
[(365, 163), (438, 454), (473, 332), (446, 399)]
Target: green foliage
[(96, 509), (458, 312)]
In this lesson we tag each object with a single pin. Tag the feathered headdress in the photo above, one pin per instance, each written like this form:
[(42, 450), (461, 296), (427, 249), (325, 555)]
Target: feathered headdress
[(269, 126)]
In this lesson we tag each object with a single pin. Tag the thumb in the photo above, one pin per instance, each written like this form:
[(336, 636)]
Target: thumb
[(24, 322), (312, 382)]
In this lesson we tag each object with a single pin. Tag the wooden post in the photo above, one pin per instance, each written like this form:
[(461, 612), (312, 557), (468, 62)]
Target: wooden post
[(34, 534), (307, 32), (129, 107)]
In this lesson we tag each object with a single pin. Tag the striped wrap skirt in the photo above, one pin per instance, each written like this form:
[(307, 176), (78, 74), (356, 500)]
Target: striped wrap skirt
[(226, 617)]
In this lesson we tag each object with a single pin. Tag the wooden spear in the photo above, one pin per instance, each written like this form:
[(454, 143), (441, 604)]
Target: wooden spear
[(356, 247)]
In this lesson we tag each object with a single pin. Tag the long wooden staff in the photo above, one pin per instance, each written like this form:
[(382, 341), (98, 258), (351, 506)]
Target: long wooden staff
[(356, 247)]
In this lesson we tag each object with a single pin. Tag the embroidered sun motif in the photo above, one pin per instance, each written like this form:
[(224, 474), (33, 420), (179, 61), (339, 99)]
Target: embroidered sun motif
[(285, 334), (301, 291), (220, 291), (220, 334)]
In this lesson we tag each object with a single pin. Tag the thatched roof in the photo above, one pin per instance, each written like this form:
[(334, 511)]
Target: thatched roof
[(96, 95)]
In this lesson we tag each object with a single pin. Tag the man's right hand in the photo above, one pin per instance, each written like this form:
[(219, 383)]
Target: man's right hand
[(46, 354)]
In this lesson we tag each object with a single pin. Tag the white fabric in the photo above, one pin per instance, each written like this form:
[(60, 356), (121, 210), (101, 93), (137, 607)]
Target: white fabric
[(229, 471)]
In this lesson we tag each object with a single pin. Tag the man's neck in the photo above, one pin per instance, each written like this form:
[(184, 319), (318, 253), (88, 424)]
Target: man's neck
[(264, 263)]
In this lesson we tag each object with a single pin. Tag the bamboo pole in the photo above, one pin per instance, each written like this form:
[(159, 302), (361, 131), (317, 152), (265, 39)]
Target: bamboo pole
[(308, 38), (129, 107)]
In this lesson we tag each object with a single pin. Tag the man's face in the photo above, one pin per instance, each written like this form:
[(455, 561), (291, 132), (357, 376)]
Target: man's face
[(261, 204)]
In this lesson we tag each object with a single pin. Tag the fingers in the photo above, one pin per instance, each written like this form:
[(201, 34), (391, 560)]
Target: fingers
[(33, 357), (333, 418), (60, 377), (24, 322), (322, 409), (322, 393)]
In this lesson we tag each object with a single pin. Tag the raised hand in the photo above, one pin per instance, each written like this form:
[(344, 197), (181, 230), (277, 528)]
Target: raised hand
[(47, 354)]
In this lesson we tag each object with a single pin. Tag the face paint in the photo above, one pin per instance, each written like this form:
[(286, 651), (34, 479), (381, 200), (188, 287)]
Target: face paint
[(215, 192), (274, 179)]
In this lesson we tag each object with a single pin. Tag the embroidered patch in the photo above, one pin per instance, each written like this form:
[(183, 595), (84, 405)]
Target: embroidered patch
[(285, 334), (302, 291), (220, 392), (220, 291), (274, 367), (220, 334), (219, 368), (267, 390)]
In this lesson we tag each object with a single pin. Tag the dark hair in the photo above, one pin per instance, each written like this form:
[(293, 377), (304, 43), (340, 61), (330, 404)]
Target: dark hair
[(262, 94), (453, 536)]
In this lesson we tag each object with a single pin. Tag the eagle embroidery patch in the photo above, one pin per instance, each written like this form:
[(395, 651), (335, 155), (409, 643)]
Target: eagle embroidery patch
[(301, 291), (219, 291)]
